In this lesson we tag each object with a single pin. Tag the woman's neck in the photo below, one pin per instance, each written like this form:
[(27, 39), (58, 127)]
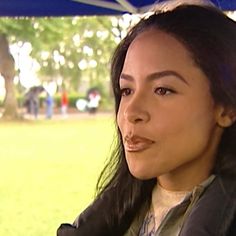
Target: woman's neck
[(183, 180)]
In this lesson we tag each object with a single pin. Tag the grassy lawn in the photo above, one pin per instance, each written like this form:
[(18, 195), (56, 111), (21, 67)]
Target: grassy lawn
[(49, 171)]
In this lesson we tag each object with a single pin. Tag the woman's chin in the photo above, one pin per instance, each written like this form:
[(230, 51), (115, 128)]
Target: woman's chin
[(141, 174)]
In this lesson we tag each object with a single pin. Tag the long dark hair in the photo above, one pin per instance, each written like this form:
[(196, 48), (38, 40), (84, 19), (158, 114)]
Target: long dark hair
[(210, 37)]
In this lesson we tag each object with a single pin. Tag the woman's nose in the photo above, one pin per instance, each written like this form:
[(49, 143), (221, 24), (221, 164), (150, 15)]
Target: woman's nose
[(136, 111)]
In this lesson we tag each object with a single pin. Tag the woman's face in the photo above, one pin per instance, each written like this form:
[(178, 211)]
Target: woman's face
[(167, 116)]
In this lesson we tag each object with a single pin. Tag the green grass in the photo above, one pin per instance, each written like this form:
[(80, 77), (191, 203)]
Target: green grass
[(49, 171)]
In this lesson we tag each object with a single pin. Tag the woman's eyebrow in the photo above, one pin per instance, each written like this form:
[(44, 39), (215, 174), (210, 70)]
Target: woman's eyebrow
[(126, 77), (157, 75), (161, 74)]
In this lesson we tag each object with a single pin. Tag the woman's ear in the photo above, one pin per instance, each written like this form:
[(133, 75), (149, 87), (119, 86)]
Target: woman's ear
[(226, 116)]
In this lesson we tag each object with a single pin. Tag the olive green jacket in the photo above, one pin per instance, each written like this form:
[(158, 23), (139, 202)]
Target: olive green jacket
[(209, 211), (213, 214)]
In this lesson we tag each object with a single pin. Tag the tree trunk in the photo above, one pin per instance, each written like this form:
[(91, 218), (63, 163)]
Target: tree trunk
[(7, 70), (10, 102)]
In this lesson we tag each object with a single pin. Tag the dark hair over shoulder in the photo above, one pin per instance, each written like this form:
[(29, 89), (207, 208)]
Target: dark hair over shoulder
[(210, 37)]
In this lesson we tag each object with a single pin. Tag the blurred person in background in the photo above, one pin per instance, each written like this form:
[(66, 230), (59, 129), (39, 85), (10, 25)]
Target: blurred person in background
[(94, 98), (64, 103), (49, 105), (31, 100)]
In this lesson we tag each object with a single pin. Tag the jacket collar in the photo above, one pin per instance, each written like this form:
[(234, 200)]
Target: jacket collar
[(214, 212)]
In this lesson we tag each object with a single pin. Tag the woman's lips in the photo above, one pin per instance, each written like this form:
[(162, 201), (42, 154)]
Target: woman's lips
[(137, 143)]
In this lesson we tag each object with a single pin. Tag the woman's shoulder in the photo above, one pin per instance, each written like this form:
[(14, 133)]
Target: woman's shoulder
[(214, 213)]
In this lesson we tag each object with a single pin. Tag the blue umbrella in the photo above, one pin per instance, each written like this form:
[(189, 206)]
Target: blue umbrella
[(84, 7)]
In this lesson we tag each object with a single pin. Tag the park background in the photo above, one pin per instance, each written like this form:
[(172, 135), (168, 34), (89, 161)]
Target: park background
[(49, 171), (49, 168)]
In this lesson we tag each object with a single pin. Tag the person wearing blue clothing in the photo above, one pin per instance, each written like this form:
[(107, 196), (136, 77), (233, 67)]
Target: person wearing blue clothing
[(49, 105)]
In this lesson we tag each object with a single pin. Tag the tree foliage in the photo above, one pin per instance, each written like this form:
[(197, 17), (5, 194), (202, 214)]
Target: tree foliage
[(73, 49), (60, 44)]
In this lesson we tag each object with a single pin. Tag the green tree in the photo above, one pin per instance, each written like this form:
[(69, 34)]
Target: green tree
[(7, 70), (69, 47)]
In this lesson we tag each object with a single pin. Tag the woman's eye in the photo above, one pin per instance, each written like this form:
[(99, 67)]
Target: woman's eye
[(163, 91), (125, 92)]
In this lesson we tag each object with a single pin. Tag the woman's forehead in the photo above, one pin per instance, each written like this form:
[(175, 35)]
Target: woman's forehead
[(155, 47)]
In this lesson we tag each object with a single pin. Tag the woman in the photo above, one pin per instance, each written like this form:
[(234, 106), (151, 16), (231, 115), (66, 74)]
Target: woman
[(173, 171)]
